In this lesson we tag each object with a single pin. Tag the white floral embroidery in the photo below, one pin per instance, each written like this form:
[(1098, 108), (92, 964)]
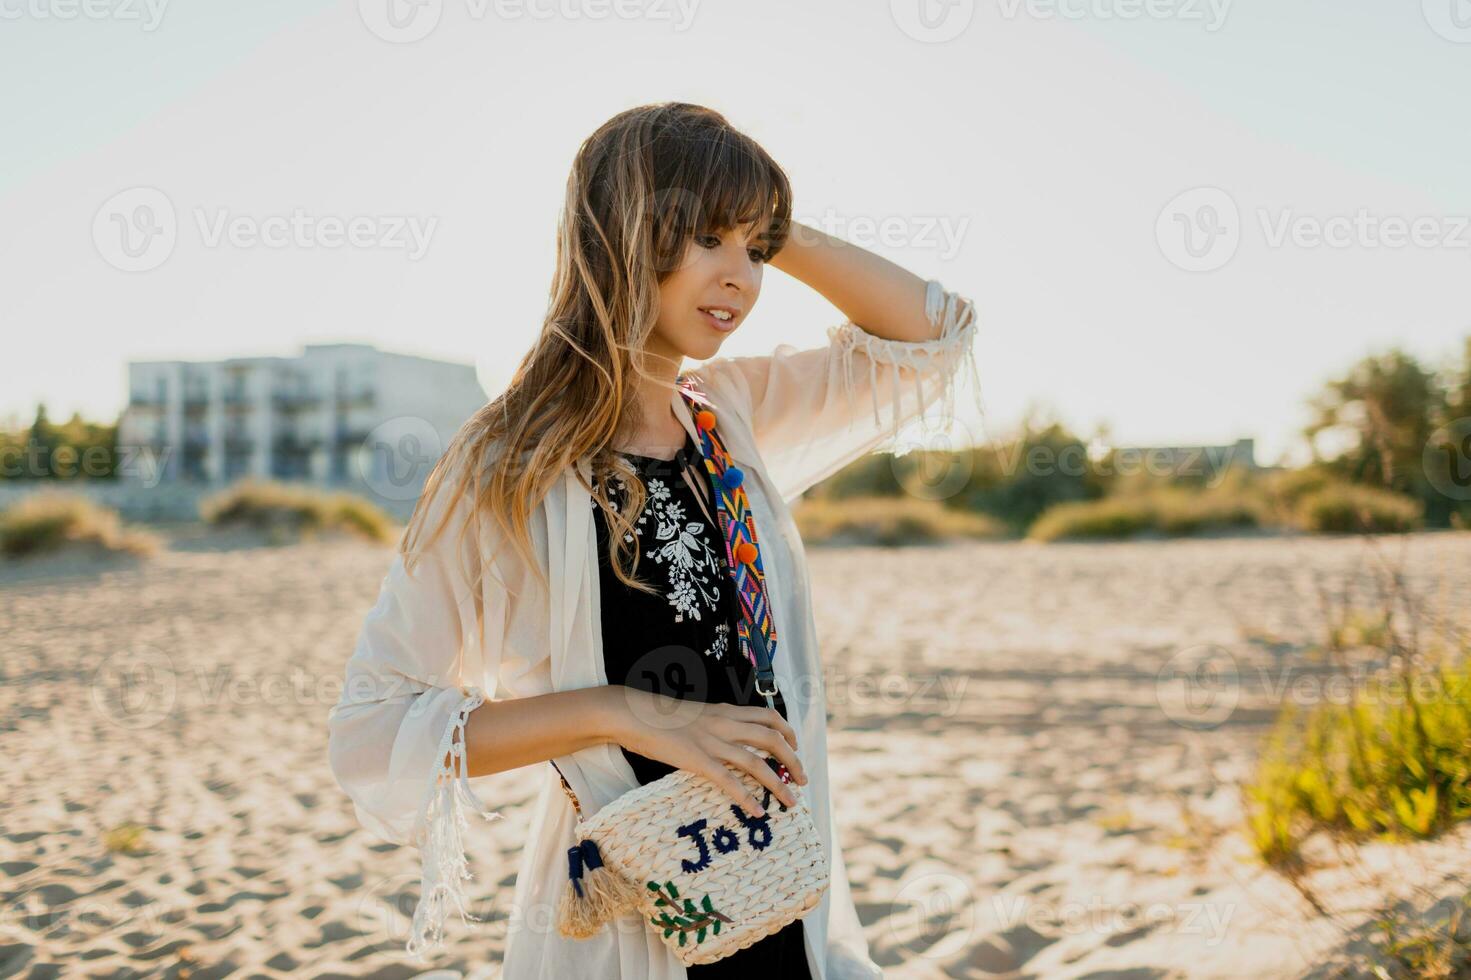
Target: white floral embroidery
[(718, 646), (692, 567)]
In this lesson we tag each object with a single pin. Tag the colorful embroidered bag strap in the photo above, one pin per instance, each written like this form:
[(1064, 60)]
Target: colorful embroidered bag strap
[(639, 835), (756, 629)]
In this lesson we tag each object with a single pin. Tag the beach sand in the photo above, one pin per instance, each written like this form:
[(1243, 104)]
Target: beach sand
[(1035, 776)]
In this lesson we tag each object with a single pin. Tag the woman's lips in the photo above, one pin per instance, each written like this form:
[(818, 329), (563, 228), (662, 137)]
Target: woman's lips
[(724, 326)]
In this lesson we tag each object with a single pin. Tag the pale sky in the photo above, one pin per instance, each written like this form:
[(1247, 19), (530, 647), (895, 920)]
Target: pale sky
[(1030, 154)]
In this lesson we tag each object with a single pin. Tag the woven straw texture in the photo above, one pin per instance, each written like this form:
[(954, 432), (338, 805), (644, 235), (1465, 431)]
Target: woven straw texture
[(746, 883)]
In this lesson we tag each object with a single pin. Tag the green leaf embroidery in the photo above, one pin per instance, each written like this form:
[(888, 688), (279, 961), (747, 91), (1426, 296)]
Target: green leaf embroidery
[(701, 920)]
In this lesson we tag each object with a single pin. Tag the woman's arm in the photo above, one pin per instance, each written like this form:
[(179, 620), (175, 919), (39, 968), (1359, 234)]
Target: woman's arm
[(899, 351), (516, 732), (884, 299)]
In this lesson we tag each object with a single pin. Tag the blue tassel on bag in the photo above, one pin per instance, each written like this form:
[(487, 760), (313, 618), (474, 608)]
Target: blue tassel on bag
[(584, 856), (598, 893)]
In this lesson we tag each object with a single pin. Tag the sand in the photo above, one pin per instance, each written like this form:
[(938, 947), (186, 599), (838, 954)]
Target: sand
[(1023, 792)]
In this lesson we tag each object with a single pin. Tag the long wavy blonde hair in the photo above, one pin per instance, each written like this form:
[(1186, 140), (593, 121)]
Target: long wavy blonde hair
[(641, 186)]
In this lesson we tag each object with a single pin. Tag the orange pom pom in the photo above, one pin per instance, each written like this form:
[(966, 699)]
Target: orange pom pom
[(745, 552), (705, 419)]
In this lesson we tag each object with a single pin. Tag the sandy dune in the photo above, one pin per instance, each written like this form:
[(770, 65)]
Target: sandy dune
[(1024, 792)]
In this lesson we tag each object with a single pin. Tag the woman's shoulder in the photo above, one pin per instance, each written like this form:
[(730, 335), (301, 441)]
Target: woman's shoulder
[(723, 383)]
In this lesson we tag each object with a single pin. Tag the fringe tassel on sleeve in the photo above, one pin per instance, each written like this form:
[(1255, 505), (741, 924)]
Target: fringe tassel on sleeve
[(442, 844), (956, 319)]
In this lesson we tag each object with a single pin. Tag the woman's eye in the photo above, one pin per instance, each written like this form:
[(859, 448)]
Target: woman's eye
[(757, 254)]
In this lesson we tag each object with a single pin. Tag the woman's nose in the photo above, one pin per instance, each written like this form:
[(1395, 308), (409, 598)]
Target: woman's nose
[(740, 274)]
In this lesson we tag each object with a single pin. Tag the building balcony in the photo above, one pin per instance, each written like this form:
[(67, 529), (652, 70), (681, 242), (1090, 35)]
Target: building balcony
[(292, 401), (297, 442)]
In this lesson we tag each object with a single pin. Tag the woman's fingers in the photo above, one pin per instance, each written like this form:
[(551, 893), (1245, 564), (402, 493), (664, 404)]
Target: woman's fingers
[(722, 777), (772, 742), (759, 768), (769, 717)]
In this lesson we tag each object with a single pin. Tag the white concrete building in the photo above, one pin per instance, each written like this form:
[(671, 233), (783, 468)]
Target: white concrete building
[(1201, 461), (337, 415)]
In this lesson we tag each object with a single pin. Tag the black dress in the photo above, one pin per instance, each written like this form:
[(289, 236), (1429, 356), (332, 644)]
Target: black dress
[(681, 641)]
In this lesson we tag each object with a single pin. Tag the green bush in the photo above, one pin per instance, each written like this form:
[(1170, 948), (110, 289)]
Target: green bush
[(1112, 517), (1345, 508), (50, 520), (889, 521), (273, 506), (1162, 510), (1395, 766)]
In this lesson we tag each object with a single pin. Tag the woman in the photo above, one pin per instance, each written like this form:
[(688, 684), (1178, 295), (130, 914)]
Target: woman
[(548, 559)]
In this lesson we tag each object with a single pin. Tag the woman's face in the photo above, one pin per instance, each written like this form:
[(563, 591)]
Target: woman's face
[(720, 270)]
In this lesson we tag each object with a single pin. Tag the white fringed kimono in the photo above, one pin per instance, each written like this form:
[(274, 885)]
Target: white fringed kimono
[(438, 643)]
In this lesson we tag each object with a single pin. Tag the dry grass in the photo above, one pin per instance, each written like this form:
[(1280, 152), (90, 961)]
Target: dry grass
[(301, 510), (55, 520), (890, 521), (1166, 511)]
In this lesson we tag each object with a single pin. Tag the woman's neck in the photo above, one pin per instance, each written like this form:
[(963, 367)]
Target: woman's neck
[(659, 431)]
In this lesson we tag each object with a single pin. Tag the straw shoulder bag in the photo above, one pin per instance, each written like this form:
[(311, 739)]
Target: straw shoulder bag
[(709, 877)]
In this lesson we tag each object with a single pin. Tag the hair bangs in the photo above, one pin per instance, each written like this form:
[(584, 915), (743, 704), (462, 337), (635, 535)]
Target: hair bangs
[(738, 184)]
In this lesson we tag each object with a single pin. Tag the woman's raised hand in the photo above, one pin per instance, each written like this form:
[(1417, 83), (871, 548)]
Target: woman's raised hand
[(704, 737)]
